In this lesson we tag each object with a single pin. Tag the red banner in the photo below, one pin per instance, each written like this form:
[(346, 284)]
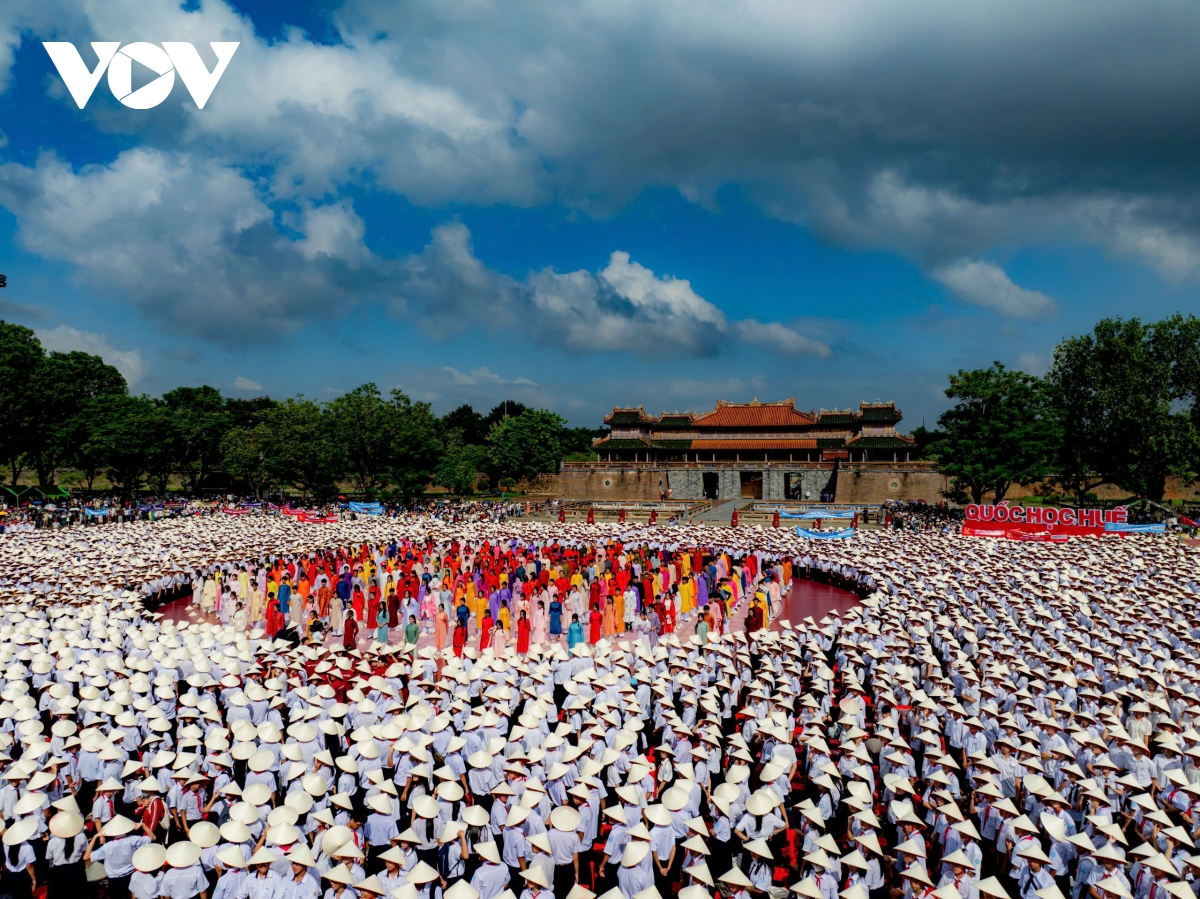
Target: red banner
[(1036, 522)]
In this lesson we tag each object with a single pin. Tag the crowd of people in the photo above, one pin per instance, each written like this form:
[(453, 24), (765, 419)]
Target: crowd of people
[(58, 513), (918, 516), (994, 718), (489, 595)]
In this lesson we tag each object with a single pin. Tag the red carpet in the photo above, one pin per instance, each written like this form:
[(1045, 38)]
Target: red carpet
[(815, 599), (806, 598)]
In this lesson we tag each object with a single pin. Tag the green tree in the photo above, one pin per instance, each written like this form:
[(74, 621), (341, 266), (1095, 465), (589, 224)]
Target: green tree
[(925, 438), (363, 426), (20, 356), (79, 448), (248, 413), (304, 451), (577, 442), (1001, 429), (1122, 394), (471, 427), (246, 454), (416, 445), (61, 384), (460, 466), (201, 418), (125, 437), (392, 442), (527, 445), (502, 411)]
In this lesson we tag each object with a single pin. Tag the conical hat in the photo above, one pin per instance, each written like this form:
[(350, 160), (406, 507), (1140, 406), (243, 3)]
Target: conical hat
[(232, 857), (339, 874), (183, 854), (735, 877), (371, 885), (462, 889), (264, 856), (422, 873), (66, 825), (204, 834), (118, 826), (149, 858)]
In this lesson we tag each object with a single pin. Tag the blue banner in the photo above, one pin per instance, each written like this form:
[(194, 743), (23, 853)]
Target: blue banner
[(97, 513), (366, 508), (1113, 527), (843, 534), (848, 515)]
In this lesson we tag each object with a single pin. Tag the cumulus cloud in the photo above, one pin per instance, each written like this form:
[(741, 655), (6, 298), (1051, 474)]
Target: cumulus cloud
[(483, 375), (624, 306), (781, 339), (929, 128), (241, 383), (985, 284), (65, 339), (12, 310), (1033, 364), (935, 130), (192, 243), (196, 247)]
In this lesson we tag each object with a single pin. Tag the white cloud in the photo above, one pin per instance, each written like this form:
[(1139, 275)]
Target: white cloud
[(65, 339), (192, 243), (781, 339), (241, 383), (985, 284), (1033, 364), (623, 307), (484, 376), (875, 122)]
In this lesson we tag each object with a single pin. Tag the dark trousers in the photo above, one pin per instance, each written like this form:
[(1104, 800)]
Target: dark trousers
[(118, 887), (564, 879)]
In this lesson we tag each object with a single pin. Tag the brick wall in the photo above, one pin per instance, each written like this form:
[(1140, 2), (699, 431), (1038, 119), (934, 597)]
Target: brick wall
[(879, 485), (610, 484)]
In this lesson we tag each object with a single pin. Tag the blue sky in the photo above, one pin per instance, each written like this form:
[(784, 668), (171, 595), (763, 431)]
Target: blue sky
[(590, 204)]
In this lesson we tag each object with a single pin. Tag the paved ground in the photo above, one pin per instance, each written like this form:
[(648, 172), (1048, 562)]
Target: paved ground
[(805, 598), (719, 513)]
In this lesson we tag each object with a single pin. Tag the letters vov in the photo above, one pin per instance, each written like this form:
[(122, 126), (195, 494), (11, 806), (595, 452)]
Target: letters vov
[(166, 60)]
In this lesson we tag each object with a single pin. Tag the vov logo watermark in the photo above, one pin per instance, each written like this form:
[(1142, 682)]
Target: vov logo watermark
[(165, 60)]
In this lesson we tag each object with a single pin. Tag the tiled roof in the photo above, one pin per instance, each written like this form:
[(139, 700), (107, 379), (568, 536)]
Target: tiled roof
[(835, 417), (673, 444), (879, 412), (896, 442), (753, 415), (753, 444), (827, 442), (610, 443), (620, 416), (675, 420)]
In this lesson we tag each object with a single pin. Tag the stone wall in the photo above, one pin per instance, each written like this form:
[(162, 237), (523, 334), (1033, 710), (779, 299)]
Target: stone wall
[(814, 482), (850, 486), (687, 483), (631, 484), (878, 485)]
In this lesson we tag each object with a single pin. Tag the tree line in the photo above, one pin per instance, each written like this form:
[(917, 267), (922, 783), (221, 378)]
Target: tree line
[(72, 411), (1120, 405)]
